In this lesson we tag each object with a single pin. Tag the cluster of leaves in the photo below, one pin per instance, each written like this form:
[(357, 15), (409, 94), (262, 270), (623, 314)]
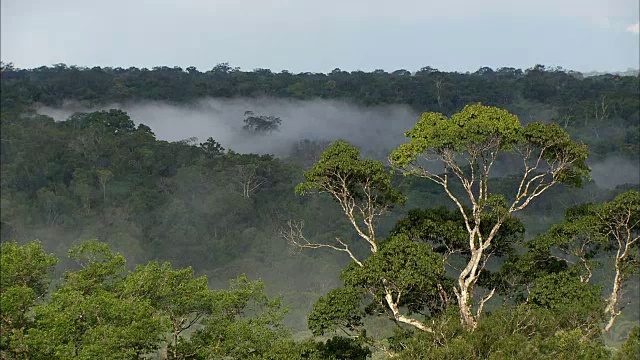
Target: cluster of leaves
[(341, 166), (25, 271), (102, 311), (513, 332), (444, 229), (589, 235), (483, 132)]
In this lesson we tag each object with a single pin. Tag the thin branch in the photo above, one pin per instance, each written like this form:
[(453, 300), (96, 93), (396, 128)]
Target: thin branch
[(295, 236), (483, 301)]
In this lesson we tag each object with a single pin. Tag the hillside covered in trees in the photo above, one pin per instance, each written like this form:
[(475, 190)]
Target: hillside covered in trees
[(483, 235)]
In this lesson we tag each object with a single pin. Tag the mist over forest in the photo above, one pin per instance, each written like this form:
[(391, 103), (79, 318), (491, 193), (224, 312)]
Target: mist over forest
[(375, 129), (164, 165)]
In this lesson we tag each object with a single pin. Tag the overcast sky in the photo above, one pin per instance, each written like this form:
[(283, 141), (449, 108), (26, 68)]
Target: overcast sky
[(320, 35)]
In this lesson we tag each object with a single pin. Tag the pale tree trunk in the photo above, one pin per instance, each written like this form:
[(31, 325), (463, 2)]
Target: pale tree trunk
[(249, 180), (625, 233), (612, 300), (610, 310), (467, 281), (464, 304)]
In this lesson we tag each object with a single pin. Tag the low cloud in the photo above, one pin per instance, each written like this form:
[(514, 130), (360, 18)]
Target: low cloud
[(635, 28), (614, 171), (376, 130)]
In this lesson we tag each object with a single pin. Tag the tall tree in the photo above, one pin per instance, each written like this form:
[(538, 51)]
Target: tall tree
[(362, 188), (589, 232), (212, 148), (468, 145)]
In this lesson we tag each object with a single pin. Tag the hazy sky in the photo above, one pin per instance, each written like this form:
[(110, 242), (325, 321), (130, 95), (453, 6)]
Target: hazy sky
[(320, 35)]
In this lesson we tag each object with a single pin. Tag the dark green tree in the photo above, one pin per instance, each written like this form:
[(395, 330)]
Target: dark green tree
[(243, 323), (260, 124), (212, 148)]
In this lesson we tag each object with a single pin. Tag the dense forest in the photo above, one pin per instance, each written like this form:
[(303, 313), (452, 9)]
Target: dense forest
[(483, 234)]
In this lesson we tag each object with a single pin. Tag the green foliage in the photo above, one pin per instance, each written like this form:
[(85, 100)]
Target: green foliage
[(469, 130), (212, 148), (408, 272), (341, 168), (519, 271), (244, 322), (413, 271), (558, 148), (483, 132), (89, 317), (340, 348), (468, 144), (430, 88), (179, 299), (79, 178), (590, 233), (171, 201), (577, 303), (101, 312), (522, 332), (438, 226), (335, 348), (100, 267), (444, 229), (25, 266), (339, 309), (25, 270), (175, 292), (101, 324)]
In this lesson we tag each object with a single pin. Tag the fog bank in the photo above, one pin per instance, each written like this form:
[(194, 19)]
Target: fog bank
[(375, 130), (614, 171)]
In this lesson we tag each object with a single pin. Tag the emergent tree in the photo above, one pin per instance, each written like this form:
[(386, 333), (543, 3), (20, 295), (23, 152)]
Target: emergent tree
[(468, 145), (363, 189)]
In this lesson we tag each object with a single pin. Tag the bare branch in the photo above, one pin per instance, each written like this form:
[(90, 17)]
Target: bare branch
[(483, 301), (295, 236)]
